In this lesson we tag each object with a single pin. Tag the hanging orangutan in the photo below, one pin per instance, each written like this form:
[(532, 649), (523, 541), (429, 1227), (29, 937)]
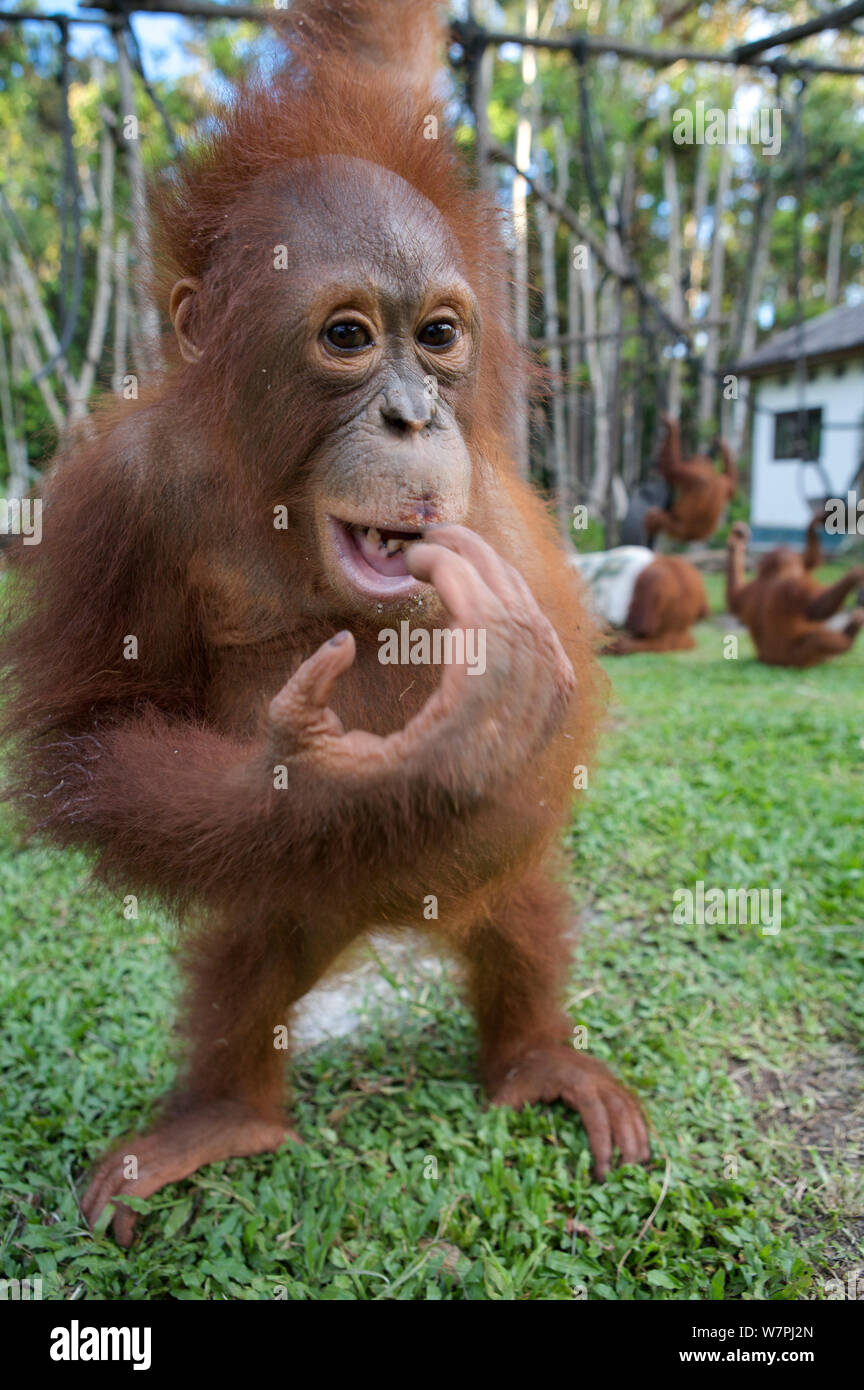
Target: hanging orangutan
[(196, 687), (784, 607), (652, 600), (699, 493)]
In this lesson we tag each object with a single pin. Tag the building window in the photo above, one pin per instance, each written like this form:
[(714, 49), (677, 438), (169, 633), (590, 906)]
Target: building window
[(789, 425)]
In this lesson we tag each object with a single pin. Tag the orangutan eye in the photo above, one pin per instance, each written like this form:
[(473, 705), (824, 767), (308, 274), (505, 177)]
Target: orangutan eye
[(440, 334), (348, 336)]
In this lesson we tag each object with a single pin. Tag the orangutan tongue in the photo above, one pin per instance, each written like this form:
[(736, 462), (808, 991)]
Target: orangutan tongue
[(384, 551)]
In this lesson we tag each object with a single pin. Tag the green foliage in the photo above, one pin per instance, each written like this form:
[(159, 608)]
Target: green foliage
[(31, 116)]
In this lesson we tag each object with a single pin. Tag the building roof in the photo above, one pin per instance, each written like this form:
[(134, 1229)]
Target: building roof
[(838, 333)]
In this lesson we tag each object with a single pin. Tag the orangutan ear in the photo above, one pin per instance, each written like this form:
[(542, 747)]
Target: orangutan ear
[(181, 307)]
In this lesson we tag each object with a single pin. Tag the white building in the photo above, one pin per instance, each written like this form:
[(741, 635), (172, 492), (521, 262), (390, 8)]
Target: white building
[(785, 476)]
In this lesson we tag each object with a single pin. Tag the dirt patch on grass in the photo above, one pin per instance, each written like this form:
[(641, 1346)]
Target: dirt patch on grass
[(814, 1115)]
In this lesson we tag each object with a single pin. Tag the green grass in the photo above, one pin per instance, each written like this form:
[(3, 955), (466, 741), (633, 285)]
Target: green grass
[(713, 769)]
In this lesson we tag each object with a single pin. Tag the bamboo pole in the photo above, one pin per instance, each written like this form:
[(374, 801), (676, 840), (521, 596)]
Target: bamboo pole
[(148, 313), (115, 17)]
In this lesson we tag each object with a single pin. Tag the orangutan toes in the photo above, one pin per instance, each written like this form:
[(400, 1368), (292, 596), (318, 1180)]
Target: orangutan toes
[(206, 1133), (610, 1114)]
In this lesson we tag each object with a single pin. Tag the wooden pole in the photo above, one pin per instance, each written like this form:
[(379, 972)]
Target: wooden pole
[(147, 310), (617, 267), (744, 56), (833, 19)]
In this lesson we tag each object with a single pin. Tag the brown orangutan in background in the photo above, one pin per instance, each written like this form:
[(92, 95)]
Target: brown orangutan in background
[(668, 598), (700, 493), (784, 607), (325, 457), (649, 601)]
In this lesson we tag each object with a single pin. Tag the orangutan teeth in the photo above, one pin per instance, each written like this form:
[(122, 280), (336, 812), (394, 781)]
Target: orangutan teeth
[(372, 537)]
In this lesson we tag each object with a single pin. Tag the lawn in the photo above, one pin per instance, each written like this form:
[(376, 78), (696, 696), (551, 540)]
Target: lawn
[(745, 1048)]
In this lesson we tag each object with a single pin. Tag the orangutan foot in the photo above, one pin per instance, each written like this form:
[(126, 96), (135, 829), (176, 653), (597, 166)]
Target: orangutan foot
[(610, 1114), (205, 1133)]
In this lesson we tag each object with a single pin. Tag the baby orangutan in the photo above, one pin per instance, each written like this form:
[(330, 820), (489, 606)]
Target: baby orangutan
[(784, 608), (652, 600), (699, 492), (325, 457)]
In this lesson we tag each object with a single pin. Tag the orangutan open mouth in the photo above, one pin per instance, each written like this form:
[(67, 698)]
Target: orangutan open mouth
[(373, 557), (383, 549)]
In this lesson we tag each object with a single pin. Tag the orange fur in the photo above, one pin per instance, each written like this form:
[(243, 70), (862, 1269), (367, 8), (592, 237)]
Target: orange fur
[(668, 598), (160, 525), (784, 607), (700, 493)]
